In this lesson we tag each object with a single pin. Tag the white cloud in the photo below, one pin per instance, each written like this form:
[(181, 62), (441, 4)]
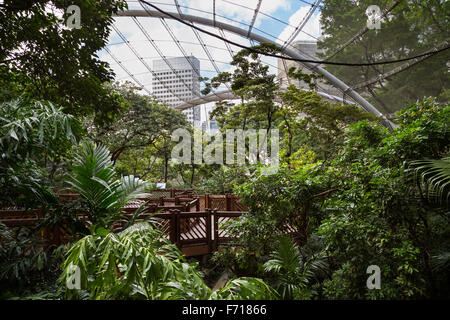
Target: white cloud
[(190, 43), (234, 9), (312, 27)]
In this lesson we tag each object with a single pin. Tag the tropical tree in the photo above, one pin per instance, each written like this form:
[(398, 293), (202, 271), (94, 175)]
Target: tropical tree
[(94, 178), (41, 57), (245, 288), (34, 135), (137, 263), (145, 128), (141, 263), (224, 180), (294, 270), (410, 28), (24, 266), (256, 87), (378, 216), (309, 120), (364, 206), (435, 175)]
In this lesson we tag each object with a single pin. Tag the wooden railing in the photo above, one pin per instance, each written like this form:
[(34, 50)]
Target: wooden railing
[(187, 222), (67, 195), (227, 202), (170, 193), (175, 197), (197, 233)]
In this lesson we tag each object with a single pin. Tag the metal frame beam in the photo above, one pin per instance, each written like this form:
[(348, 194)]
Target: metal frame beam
[(141, 59), (347, 90), (132, 76), (361, 32), (300, 26), (229, 95), (255, 14), (398, 69)]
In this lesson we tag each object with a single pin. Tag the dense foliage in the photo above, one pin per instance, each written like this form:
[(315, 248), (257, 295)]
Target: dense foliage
[(360, 208), (33, 138), (41, 57), (348, 193), (140, 263), (411, 28)]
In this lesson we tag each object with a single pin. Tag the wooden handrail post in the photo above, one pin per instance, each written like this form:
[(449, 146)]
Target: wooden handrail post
[(207, 201), (173, 226), (228, 203), (216, 230), (151, 208), (39, 213), (208, 231), (178, 228), (172, 193)]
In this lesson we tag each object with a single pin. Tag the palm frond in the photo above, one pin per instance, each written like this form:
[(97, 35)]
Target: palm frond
[(245, 288), (440, 261), (94, 176), (435, 174), (95, 179), (34, 123), (130, 188), (285, 259), (293, 270)]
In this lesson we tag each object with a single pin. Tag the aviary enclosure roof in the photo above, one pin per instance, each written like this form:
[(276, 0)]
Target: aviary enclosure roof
[(150, 30)]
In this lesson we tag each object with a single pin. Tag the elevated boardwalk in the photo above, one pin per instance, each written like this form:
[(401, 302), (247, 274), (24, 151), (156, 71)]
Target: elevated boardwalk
[(195, 223)]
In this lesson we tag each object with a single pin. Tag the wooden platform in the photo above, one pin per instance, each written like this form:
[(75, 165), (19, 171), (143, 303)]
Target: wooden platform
[(187, 219)]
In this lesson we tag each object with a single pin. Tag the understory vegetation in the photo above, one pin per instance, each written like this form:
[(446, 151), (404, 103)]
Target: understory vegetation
[(349, 192), (371, 204)]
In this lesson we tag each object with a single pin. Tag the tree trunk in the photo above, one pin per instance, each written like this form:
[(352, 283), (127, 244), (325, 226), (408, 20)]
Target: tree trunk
[(115, 155), (192, 174), (166, 164)]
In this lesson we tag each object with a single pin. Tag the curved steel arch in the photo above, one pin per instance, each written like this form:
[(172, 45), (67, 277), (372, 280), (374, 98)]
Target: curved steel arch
[(289, 52), (229, 95)]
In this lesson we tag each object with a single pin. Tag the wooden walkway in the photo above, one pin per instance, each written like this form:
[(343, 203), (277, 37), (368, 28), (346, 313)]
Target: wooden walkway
[(196, 233), (195, 223)]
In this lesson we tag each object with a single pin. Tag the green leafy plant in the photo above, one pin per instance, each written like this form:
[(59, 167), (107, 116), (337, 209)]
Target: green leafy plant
[(24, 264), (94, 178), (294, 271), (32, 133), (141, 263), (245, 288), (137, 263), (58, 64), (435, 175)]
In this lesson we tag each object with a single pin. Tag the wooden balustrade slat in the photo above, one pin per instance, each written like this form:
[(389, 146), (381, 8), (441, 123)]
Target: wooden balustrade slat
[(187, 219)]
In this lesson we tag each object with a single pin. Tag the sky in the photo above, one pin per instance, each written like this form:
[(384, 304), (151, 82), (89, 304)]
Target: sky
[(288, 14)]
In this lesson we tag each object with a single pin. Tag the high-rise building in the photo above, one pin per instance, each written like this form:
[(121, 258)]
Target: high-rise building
[(178, 83), (308, 48), (209, 126)]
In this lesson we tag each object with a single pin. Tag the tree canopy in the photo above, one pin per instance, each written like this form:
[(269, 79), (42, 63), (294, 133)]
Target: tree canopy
[(41, 57), (411, 28)]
